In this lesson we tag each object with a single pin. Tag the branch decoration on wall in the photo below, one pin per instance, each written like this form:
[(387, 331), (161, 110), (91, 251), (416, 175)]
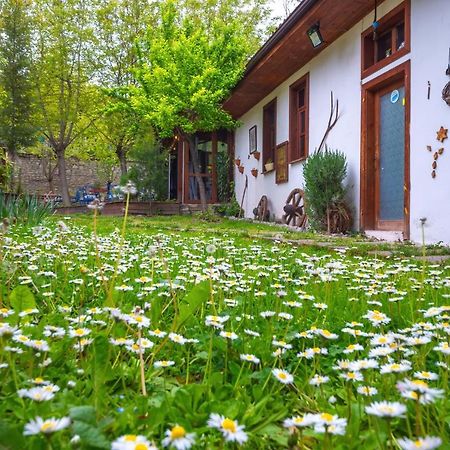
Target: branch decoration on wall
[(442, 134)]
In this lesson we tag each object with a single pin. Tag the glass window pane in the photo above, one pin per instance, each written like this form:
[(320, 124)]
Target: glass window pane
[(392, 156), (301, 98)]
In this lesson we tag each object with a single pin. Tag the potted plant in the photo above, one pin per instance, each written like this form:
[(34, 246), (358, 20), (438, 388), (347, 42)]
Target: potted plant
[(241, 169), (269, 165), (254, 172), (257, 155)]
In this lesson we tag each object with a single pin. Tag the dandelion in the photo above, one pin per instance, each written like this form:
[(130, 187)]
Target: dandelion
[(178, 437), (230, 429), (129, 188), (283, 376), (38, 425)]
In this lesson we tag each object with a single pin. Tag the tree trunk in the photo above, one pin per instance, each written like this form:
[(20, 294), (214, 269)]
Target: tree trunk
[(63, 185), (121, 156), (194, 158)]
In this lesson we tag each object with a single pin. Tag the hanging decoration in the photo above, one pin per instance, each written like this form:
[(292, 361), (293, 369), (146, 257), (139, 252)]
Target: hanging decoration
[(446, 94), (442, 134), (439, 152), (375, 23)]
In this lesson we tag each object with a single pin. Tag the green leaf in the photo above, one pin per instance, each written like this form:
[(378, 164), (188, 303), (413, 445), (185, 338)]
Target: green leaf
[(84, 414), (10, 437), (21, 298), (100, 366), (90, 435), (193, 300)]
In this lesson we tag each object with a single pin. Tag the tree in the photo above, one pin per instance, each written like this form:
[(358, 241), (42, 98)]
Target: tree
[(119, 24), (189, 62), (16, 105), (64, 67)]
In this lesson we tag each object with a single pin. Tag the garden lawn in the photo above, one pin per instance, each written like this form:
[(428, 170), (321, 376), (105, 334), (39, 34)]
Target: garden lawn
[(185, 335)]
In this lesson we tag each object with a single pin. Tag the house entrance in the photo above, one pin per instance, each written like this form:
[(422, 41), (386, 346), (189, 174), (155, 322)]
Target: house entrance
[(385, 153)]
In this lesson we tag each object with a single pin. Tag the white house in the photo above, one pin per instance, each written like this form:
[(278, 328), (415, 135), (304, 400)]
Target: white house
[(387, 63)]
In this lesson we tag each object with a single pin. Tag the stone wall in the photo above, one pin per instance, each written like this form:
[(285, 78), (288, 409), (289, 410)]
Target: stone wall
[(31, 174)]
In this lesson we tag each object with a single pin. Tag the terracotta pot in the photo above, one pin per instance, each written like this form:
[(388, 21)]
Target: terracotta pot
[(241, 169), (257, 155), (254, 172), (237, 161)]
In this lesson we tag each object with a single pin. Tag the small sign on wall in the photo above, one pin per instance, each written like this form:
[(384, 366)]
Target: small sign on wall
[(281, 163)]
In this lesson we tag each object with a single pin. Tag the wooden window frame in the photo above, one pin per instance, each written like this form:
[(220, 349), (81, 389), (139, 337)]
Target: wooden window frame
[(268, 149), (294, 151), (389, 22)]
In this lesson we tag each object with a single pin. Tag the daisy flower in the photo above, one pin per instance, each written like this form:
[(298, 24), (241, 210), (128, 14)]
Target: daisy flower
[(230, 429), (386, 409), (317, 380), (368, 391), (299, 421), (132, 442), (38, 425), (178, 437), (283, 376), (229, 335), (161, 364), (426, 443), (249, 358)]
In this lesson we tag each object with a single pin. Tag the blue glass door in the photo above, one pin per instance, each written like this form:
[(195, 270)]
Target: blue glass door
[(391, 158)]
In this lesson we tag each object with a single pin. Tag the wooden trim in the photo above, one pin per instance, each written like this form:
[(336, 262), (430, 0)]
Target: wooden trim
[(268, 151), (368, 142), (388, 21), (180, 171), (294, 153)]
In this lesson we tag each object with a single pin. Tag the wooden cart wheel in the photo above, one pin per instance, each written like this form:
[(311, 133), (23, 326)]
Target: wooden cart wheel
[(261, 212), (295, 213)]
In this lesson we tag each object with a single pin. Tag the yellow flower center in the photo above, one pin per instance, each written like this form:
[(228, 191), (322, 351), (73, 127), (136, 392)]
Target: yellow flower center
[(327, 417), (47, 426), (418, 444), (38, 380), (282, 376), (130, 438), (177, 432), (229, 425), (79, 331), (141, 446)]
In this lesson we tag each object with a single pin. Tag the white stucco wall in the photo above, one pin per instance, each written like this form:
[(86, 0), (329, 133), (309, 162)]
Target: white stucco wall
[(338, 69)]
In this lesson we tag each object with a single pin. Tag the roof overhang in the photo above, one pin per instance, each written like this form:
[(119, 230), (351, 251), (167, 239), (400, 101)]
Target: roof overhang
[(289, 48)]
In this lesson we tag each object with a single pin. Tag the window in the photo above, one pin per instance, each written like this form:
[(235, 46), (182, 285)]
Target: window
[(269, 131), (299, 119), (392, 40)]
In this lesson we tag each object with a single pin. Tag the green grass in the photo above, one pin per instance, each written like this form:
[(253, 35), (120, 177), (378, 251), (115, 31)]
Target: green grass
[(294, 307)]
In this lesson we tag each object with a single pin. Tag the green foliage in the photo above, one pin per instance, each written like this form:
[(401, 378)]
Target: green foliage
[(197, 296), (21, 298), (188, 65), (225, 189), (230, 209), (149, 168), (25, 209), (324, 174), (6, 171), (16, 104)]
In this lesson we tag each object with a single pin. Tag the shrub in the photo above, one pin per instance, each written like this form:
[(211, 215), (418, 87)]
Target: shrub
[(25, 209), (324, 174)]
